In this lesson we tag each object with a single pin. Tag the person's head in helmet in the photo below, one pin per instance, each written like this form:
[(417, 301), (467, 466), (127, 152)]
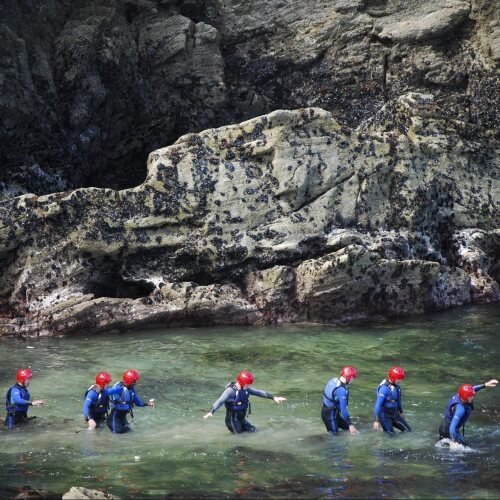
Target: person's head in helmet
[(244, 379), (466, 393), (347, 373), (396, 374), (24, 376), (130, 377), (103, 379)]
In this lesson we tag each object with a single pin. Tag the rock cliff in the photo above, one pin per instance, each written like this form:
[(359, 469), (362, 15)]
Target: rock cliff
[(338, 162)]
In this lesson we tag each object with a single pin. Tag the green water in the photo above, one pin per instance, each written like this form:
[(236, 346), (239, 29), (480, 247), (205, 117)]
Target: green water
[(173, 452)]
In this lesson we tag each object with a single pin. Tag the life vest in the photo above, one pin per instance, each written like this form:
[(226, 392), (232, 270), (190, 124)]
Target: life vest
[(12, 407), (125, 400), (241, 399), (330, 388), (451, 407), (102, 403), (391, 400)]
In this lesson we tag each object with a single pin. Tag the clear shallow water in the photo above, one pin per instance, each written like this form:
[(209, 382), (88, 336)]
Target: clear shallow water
[(173, 451)]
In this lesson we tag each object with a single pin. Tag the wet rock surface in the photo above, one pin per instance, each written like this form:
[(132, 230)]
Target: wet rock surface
[(90, 88), (289, 216)]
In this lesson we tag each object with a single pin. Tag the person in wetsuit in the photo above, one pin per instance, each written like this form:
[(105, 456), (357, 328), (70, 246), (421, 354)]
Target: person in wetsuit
[(17, 399), (389, 407), (123, 398), (236, 399), (96, 402), (458, 411), (335, 400)]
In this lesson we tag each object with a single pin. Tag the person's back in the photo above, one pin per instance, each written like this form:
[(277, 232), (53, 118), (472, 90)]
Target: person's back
[(96, 401), (123, 398)]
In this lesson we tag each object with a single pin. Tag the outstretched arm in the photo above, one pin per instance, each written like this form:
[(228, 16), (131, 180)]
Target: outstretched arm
[(16, 398), (266, 395), (227, 394)]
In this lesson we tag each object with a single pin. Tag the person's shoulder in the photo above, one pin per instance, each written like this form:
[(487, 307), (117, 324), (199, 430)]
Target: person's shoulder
[(383, 387)]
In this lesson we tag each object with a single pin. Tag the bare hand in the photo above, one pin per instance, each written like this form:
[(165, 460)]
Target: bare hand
[(92, 423), (278, 399), (208, 415), (37, 402), (353, 430), (151, 402), (491, 383), (376, 426)]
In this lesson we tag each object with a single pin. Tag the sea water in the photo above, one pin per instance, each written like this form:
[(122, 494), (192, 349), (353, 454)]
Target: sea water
[(173, 452)]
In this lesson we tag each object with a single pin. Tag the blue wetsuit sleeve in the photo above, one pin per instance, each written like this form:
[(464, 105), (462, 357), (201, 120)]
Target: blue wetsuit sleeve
[(227, 394), (454, 431), (89, 399), (341, 394), (112, 391), (479, 387), (259, 393), (138, 401), (16, 398), (380, 401)]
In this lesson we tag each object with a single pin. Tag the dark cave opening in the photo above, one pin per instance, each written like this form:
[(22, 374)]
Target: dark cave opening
[(112, 285)]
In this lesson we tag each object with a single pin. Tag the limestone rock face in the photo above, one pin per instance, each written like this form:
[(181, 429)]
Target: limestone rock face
[(286, 217)]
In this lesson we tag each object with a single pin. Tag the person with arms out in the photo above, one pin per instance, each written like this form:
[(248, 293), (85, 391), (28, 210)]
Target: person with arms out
[(123, 398), (236, 400), (389, 407), (96, 403), (17, 399), (335, 400), (458, 411)]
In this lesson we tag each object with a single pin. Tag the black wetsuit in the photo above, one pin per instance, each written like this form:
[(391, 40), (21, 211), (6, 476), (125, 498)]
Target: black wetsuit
[(237, 406)]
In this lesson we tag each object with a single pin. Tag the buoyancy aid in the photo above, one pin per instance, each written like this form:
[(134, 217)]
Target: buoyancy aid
[(330, 388), (241, 399), (392, 399), (101, 404), (125, 400), (451, 407), (10, 407)]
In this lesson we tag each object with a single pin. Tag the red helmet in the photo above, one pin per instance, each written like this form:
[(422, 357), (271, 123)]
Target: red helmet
[(348, 372), (244, 378), (102, 379), (24, 374), (130, 376), (396, 373), (466, 391)]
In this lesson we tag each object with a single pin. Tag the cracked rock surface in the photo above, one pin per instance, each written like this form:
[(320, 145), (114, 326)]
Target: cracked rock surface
[(289, 216)]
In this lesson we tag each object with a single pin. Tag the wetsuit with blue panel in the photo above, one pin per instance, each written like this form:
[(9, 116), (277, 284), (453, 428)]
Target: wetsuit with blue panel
[(237, 405), (123, 399), (96, 404), (455, 416), (335, 400), (17, 402), (388, 408)]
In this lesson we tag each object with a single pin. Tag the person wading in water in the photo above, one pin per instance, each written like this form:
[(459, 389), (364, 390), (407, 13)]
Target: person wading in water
[(236, 399)]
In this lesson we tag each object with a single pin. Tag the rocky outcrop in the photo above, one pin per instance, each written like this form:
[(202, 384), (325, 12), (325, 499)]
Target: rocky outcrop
[(89, 88), (290, 216), (80, 493)]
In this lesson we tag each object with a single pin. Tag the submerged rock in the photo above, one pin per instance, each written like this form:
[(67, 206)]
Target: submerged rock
[(286, 217)]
